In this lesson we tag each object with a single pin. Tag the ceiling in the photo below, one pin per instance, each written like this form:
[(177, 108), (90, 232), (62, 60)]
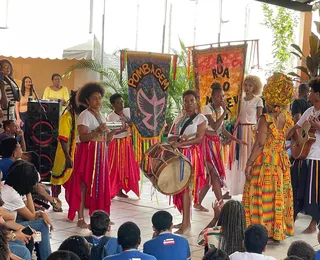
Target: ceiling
[(298, 5)]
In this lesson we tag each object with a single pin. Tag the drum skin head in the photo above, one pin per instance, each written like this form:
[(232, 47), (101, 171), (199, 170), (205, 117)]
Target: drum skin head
[(169, 181)]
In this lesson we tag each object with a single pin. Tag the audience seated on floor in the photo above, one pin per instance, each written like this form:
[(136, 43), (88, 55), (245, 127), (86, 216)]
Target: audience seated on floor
[(226, 229), (4, 246), (16, 239), (164, 244), (216, 254), (102, 245), (255, 242), (16, 194), (129, 237), (78, 245), (10, 150), (301, 249), (63, 255), (11, 130)]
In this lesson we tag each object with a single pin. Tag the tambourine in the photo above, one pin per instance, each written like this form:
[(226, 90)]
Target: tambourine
[(114, 125)]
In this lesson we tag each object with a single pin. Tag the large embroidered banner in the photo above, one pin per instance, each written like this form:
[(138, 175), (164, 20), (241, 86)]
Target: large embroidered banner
[(224, 65), (148, 82)]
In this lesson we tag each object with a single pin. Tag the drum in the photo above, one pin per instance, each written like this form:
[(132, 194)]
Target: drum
[(168, 170)]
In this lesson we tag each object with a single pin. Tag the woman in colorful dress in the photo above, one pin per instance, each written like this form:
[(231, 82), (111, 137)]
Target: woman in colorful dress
[(124, 170), (250, 110), (64, 159), (267, 195), (215, 112), (189, 123), (90, 182)]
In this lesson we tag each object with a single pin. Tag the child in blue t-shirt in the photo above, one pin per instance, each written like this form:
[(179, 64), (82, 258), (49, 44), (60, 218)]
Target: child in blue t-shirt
[(102, 245), (164, 244), (129, 237)]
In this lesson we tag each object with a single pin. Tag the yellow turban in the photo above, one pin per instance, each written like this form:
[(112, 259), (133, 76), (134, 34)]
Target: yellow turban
[(278, 91)]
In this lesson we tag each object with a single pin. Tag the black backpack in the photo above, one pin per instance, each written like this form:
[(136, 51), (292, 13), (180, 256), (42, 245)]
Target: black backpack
[(97, 251)]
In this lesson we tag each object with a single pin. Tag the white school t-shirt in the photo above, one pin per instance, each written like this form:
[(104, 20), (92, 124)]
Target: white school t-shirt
[(249, 256), (314, 153), (209, 110), (190, 129), (114, 117), (248, 111), (12, 199), (86, 118)]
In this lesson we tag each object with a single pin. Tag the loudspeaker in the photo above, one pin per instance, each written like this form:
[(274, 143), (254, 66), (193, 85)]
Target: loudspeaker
[(42, 127)]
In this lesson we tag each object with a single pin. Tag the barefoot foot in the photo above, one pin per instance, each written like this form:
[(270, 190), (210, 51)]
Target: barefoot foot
[(177, 225), (310, 229), (122, 195), (200, 207), (226, 196), (183, 229), (82, 224)]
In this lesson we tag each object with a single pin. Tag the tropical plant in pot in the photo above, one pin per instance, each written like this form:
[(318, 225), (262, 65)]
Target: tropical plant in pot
[(311, 63)]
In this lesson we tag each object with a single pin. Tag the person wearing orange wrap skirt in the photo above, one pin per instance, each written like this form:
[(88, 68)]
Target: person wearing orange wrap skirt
[(186, 134), (124, 170), (267, 195), (90, 183)]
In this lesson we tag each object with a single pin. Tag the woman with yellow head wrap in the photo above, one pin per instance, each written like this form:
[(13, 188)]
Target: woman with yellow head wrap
[(305, 173), (267, 196)]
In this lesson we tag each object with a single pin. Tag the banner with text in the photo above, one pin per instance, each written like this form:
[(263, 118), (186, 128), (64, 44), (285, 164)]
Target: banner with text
[(224, 65), (148, 82)]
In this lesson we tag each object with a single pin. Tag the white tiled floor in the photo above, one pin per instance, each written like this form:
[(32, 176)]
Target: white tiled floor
[(141, 210)]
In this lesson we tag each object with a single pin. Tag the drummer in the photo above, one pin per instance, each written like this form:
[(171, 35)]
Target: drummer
[(186, 133)]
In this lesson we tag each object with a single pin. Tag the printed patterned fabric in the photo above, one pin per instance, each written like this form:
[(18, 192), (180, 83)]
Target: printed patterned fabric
[(267, 196), (195, 156)]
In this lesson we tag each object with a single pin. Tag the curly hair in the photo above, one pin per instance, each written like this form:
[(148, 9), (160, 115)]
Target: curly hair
[(22, 176), (10, 64), (63, 255), (114, 97), (216, 254), (278, 92), (88, 89), (301, 249), (190, 92), (99, 222), (77, 245), (256, 83), (233, 225), (4, 248)]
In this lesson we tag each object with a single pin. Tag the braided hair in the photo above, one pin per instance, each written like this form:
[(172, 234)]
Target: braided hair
[(232, 221), (4, 248)]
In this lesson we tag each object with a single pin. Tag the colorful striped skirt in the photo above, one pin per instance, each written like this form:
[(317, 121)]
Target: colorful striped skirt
[(211, 146), (91, 168), (124, 170), (195, 156)]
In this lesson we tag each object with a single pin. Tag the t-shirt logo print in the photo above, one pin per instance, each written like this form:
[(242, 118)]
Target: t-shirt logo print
[(168, 241)]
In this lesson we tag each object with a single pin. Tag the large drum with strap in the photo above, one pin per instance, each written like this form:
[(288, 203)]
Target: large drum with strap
[(168, 170)]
